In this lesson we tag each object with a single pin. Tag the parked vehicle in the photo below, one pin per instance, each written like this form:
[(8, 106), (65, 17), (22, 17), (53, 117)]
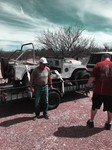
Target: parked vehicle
[(14, 68), (94, 58), (67, 75), (70, 69)]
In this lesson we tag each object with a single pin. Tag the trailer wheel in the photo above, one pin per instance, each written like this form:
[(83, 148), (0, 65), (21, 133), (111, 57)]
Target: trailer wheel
[(54, 98)]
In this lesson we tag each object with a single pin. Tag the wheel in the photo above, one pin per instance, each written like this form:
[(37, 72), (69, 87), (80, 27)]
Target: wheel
[(4, 67), (76, 76), (84, 77), (7, 70), (25, 81), (54, 99)]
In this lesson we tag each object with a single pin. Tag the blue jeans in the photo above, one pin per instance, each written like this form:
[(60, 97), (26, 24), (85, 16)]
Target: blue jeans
[(41, 99)]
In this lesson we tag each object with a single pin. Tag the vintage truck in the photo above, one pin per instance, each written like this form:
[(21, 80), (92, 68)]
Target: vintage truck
[(70, 69), (95, 58), (67, 75)]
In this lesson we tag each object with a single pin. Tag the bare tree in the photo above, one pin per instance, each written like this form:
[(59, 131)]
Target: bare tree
[(66, 40), (107, 47)]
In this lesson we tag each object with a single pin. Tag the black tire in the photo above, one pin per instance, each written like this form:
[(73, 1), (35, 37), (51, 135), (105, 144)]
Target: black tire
[(76, 76), (4, 67), (25, 81), (84, 77), (54, 99)]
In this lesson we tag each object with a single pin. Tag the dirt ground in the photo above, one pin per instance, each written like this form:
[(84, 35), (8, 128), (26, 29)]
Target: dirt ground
[(65, 130)]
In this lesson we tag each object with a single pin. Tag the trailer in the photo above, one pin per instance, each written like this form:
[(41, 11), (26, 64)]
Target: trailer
[(67, 75), (12, 93)]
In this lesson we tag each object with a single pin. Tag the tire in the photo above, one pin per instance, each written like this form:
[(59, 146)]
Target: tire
[(4, 67), (76, 76), (54, 99), (84, 77), (25, 81)]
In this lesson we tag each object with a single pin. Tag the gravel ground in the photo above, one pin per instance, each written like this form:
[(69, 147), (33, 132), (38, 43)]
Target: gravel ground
[(65, 130)]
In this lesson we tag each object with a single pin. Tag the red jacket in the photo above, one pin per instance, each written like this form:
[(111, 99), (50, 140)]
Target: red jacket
[(103, 78)]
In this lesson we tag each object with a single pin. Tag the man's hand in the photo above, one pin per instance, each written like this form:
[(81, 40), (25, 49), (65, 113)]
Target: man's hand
[(32, 89), (51, 87)]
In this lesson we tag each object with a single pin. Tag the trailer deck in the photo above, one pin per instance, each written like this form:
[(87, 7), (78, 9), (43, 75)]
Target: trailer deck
[(10, 92)]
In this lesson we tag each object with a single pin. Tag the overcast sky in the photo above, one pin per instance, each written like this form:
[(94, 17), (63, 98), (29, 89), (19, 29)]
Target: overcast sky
[(22, 20)]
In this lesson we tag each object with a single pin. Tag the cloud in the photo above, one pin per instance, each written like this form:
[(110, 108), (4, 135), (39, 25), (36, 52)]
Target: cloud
[(22, 21), (19, 26)]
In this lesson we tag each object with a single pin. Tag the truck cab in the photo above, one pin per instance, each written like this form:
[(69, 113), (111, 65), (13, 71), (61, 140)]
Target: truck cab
[(95, 58)]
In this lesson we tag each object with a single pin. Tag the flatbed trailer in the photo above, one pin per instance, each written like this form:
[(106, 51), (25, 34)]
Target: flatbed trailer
[(10, 92), (17, 68)]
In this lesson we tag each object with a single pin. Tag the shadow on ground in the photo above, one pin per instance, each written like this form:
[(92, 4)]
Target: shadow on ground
[(76, 131), (15, 121), (16, 107)]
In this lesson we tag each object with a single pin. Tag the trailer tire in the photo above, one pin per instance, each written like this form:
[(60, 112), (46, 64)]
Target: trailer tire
[(54, 98)]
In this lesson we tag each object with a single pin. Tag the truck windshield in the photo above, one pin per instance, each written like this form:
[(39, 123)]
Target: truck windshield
[(95, 58)]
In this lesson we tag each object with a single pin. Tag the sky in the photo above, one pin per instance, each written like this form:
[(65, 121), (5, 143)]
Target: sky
[(21, 21)]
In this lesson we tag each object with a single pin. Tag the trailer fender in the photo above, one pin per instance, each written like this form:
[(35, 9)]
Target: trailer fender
[(54, 98)]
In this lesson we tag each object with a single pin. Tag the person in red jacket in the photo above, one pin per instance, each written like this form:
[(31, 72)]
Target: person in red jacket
[(101, 76)]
